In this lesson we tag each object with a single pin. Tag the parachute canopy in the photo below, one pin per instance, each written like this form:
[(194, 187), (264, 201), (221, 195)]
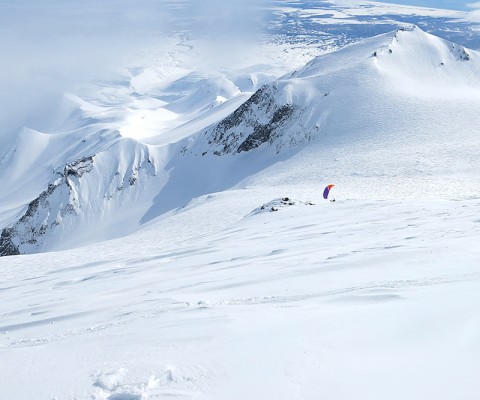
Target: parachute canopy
[(327, 191)]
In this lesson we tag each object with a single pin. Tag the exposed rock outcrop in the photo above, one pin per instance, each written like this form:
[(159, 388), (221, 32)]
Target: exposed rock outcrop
[(261, 119), (45, 212), (278, 204), (85, 195)]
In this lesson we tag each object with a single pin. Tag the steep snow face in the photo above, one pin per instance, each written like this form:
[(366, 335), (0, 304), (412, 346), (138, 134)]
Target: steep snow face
[(314, 100), (262, 118), (76, 183), (91, 199), (46, 212)]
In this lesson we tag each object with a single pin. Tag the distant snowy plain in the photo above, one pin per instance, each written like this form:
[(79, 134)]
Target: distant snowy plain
[(188, 288)]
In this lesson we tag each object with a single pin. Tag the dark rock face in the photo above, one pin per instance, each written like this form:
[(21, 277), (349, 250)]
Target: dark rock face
[(7, 247), (78, 167), (257, 121), (264, 133), (460, 53), (41, 200), (239, 115), (45, 212)]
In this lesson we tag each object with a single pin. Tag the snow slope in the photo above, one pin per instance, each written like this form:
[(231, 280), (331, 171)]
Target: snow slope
[(218, 302)]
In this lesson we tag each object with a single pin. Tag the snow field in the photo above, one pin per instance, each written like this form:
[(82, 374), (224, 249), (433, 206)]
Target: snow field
[(293, 303)]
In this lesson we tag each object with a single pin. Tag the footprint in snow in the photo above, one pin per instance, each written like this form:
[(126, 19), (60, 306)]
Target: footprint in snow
[(110, 386), (118, 385)]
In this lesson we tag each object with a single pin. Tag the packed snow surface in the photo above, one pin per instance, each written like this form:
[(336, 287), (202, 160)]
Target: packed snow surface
[(217, 302)]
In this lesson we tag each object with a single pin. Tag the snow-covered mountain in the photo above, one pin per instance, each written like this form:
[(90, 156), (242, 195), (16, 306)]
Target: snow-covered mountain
[(362, 100), (313, 101), (176, 153), (103, 189)]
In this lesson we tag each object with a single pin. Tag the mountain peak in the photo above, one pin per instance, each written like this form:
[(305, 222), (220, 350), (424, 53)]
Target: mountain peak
[(311, 102)]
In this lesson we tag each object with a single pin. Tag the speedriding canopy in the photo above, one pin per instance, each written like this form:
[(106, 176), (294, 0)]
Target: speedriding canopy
[(327, 191)]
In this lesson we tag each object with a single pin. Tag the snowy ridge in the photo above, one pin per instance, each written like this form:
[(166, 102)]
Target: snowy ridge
[(262, 118), (34, 159), (298, 107), (90, 191), (46, 212), (202, 93), (269, 116)]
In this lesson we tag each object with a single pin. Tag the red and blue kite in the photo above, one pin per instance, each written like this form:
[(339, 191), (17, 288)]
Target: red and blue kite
[(327, 191)]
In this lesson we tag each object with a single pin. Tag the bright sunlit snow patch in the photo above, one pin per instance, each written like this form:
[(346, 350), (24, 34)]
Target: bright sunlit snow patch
[(144, 123)]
